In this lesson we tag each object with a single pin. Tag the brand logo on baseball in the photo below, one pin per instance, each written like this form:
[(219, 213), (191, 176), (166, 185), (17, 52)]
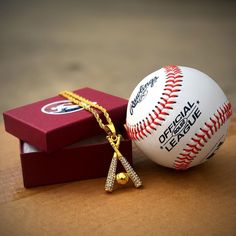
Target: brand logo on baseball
[(142, 93), (180, 126)]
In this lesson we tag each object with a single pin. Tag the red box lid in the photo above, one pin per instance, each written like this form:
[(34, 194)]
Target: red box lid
[(55, 122)]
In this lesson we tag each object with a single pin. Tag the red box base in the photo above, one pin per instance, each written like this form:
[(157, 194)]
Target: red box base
[(84, 160)]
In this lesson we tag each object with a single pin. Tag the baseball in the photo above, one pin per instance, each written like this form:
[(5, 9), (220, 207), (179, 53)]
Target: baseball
[(178, 117)]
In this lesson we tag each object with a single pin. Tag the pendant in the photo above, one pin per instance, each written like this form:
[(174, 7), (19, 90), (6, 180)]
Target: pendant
[(112, 170)]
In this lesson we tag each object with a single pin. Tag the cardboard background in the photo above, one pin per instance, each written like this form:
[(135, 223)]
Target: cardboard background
[(200, 201)]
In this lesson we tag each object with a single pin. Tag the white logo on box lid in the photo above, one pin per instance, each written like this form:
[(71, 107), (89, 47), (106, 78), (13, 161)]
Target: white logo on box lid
[(60, 108)]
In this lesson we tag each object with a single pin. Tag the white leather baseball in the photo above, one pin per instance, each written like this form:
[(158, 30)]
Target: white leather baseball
[(178, 116)]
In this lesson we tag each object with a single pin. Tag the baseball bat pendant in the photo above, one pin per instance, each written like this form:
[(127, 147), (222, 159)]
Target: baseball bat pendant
[(129, 169)]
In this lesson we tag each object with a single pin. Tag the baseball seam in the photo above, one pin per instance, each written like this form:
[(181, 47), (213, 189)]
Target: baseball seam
[(189, 153), (160, 111)]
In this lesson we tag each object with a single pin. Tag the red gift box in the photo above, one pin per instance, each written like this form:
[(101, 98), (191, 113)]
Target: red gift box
[(62, 142), (83, 160), (55, 122)]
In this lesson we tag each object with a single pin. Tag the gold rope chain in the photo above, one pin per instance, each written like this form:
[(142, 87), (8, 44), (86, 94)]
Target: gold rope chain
[(112, 137), (89, 106)]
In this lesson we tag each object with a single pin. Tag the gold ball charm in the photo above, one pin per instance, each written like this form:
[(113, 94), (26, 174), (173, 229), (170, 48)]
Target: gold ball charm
[(122, 178)]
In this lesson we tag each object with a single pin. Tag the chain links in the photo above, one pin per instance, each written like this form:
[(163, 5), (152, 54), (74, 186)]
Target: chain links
[(91, 106)]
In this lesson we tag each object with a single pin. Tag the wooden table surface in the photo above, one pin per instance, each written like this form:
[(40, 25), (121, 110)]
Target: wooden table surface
[(200, 201)]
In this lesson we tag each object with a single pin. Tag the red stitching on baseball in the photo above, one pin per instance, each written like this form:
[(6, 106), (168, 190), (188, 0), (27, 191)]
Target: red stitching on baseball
[(188, 154), (198, 141), (173, 82)]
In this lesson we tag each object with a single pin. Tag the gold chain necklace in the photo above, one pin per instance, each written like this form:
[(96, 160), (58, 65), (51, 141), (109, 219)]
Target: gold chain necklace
[(114, 140)]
